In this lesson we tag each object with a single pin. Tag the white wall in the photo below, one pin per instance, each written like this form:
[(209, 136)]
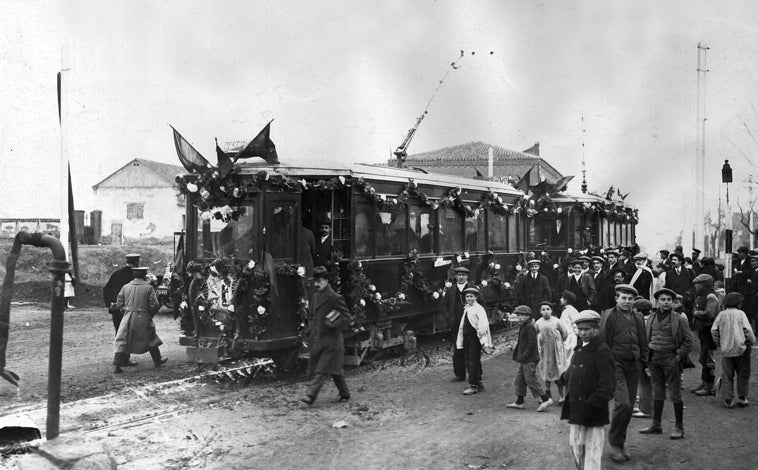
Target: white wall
[(162, 216)]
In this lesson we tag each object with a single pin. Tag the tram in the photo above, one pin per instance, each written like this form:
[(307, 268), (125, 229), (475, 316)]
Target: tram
[(396, 235)]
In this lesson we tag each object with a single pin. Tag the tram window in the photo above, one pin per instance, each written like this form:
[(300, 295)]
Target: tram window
[(421, 229), (548, 231), (282, 232), (475, 233), (363, 212), (497, 234), (513, 236), (218, 239), (450, 231), (390, 231)]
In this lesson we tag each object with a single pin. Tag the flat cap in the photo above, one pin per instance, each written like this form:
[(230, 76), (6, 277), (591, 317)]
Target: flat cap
[(678, 255), (705, 278), (320, 272), (140, 269), (626, 288), (642, 304), (471, 290), (664, 290), (534, 261), (733, 299), (461, 269), (587, 316), (522, 310), (742, 249), (640, 256)]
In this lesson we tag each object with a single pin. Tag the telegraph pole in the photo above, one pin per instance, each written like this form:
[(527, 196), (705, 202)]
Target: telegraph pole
[(702, 70)]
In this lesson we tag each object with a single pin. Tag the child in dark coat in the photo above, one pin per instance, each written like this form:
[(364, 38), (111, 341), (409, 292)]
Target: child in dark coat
[(527, 355)]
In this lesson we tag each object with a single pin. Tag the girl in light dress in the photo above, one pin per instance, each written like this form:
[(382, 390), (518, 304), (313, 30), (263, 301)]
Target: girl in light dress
[(550, 337)]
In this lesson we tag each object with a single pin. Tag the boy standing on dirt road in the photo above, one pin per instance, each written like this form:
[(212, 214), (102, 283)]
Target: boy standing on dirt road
[(527, 355)]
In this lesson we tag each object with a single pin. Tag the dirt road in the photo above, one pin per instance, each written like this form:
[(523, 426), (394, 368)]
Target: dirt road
[(404, 413)]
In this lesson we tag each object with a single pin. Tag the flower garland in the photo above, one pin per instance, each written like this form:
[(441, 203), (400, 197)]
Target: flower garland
[(380, 201), (452, 199), (220, 198), (492, 202), (609, 210)]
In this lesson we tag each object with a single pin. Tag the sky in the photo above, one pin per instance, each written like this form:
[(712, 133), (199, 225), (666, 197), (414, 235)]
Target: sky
[(613, 82)]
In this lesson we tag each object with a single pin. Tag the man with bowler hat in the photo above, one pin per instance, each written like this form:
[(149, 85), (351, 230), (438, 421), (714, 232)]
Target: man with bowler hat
[(453, 301), (679, 279), (329, 317)]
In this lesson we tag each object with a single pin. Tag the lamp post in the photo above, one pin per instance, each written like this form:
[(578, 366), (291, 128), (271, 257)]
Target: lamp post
[(726, 177)]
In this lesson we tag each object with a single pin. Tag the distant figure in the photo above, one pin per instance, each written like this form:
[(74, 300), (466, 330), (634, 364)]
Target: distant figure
[(136, 334), (68, 290), (119, 279), (324, 244), (735, 339)]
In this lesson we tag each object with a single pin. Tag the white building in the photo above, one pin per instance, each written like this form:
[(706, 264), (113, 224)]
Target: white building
[(139, 201)]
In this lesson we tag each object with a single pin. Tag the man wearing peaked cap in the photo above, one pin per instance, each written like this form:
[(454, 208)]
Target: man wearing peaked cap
[(602, 280), (453, 302), (642, 277), (533, 288), (582, 285), (743, 275), (623, 331)]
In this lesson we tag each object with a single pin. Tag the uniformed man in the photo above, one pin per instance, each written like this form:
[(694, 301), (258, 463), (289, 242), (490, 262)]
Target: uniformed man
[(533, 288), (602, 281), (452, 305)]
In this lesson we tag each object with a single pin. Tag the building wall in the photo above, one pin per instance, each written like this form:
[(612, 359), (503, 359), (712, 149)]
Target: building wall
[(10, 227), (162, 211)]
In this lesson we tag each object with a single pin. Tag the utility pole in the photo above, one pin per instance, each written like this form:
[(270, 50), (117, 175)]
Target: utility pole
[(702, 70)]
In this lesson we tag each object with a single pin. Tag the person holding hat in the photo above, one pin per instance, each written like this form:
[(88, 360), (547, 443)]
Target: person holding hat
[(624, 333), (533, 288), (329, 317), (669, 346), (735, 338), (453, 301), (324, 243), (136, 333), (582, 285), (642, 277), (526, 353), (707, 306), (590, 382), (679, 279), (550, 337), (473, 336)]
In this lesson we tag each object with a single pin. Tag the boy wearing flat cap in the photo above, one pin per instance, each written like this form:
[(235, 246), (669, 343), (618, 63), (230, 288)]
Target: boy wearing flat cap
[(473, 336), (591, 384), (452, 306), (526, 353), (582, 285)]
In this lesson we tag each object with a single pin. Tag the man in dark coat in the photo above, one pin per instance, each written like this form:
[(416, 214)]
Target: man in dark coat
[(679, 279), (329, 316), (591, 383), (452, 306), (324, 244), (743, 274), (119, 279), (623, 331), (582, 285), (602, 279), (642, 277), (533, 288)]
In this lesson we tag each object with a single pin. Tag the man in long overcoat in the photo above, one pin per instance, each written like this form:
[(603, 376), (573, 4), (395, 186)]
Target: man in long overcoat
[(679, 279), (119, 279), (329, 316), (136, 334), (533, 288)]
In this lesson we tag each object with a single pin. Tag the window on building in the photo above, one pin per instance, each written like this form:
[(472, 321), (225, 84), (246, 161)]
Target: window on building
[(135, 210)]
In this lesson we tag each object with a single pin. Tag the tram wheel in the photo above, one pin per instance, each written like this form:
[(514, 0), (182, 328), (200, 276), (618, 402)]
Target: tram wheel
[(285, 359)]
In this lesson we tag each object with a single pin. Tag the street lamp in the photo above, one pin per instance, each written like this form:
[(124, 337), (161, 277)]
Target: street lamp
[(726, 177)]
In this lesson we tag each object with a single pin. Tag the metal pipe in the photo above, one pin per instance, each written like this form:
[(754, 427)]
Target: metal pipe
[(59, 267)]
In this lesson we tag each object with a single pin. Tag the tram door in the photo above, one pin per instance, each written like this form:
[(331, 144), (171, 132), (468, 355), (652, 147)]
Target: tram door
[(281, 227)]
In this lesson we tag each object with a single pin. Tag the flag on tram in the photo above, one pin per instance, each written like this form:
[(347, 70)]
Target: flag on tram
[(523, 183), (261, 146), (225, 165), (190, 158), (561, 184)]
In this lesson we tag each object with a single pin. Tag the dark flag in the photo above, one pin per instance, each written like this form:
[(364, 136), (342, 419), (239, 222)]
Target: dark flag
[(523, 183), (609, 194), (479, 175), (179, 255), (225, 165), (190, 158), (561, 184), (261, 146)]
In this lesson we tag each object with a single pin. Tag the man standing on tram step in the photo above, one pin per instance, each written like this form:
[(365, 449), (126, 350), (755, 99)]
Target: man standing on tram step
[(119, 279), (642, 277), (679, 279), (453, 301), (324, 243), (533, 288), (136, 334), (581, 285), (669, 344), (624, 332), (329, 317)]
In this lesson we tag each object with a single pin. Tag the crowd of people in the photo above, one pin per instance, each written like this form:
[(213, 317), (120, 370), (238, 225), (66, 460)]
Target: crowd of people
[(617, 325)]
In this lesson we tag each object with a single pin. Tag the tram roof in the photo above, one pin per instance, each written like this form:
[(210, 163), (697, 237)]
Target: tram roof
[(375, 172)]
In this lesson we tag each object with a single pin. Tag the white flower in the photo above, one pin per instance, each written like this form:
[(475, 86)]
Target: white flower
[(261, 309), (342, 179), (518, 267), (201, 308), (459, 258), (559, 210), (543, 253), (371, 287), (304, 183), (192, 187), (544, 210), (230, 308), (507, 285), (435, 295), (555, 266), (378, 296), (204, 193), (570, 250), (401, 296), (448, 284), (382, 197), (301, 271), (492, 264), (531, 202), (465, 254), (216, 175), (362, 302), (497, 266), (435, 206), (222, 188), (183, 304), (251, 264), (484, 283)]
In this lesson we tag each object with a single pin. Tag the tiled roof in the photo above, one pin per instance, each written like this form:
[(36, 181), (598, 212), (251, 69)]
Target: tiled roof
[(165, 171), (472, 151)]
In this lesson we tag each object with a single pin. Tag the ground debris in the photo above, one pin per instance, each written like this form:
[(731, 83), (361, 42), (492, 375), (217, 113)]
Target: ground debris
[(339, 424)]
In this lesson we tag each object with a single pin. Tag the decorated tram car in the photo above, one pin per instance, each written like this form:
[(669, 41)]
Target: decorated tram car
[(396, 235)]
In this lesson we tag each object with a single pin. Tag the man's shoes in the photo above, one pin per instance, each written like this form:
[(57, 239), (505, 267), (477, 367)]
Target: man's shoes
[(641, 414), (161, 361), (742, 402), (308, 400), (652, 429), (129, 364), (728, 404), (117, 370), (470, 391), (626, 454), (458, 379), (480, 387), (561, 399), (705, 391), (341, 398), (518, 406), (698, 388), (545, 404), (616, 454), (678, 433)]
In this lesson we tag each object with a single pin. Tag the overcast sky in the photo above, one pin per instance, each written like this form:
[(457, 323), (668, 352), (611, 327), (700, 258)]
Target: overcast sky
[(346, 82)]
